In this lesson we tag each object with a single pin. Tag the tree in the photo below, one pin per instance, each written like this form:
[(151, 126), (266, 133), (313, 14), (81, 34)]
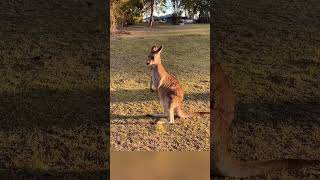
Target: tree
[(177, 4), (198, 6), (204, 11), (189, 6), (132, 10), (153, 5), (113, 15), (124, 12), (176, 11)]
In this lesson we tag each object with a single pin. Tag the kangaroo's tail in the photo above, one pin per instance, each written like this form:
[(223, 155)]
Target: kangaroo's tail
[(185, 115)]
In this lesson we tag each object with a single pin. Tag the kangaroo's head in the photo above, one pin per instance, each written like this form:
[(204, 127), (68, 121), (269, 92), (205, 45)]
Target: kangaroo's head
[(154, 56)]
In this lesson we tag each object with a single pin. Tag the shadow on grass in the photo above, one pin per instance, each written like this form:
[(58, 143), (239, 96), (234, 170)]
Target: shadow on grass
[(142, 95), (293, 113), (28, 174), (146, 95), (124, 119), (44, 108), (54, 127), (128, 117)]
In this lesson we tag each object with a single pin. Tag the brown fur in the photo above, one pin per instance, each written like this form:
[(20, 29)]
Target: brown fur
[(168, 87), (222, 112), (154, 75)]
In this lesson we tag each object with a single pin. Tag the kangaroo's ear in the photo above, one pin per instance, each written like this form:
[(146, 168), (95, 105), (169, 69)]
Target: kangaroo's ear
[(159, 49), (153, 49)]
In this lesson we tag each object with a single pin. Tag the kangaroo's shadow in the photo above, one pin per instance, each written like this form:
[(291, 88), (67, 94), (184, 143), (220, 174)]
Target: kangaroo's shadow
[(143, 95), (139, 95), (136, 119), (132, 119)]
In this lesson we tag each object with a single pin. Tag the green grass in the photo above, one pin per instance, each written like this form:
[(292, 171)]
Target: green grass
[(186, 55), (270, 50), (53, 117)]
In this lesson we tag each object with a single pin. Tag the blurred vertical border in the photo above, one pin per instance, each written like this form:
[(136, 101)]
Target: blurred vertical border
[(160, 165), (54, 89)]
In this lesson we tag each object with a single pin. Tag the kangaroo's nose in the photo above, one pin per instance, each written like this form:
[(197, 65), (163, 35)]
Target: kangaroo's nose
[(148, 63)]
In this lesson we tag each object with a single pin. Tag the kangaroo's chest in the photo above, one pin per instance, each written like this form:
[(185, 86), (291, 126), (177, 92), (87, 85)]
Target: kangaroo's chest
[(155, 77)]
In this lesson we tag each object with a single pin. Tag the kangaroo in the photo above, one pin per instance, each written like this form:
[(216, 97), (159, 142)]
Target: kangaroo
[(222, 112), (168, 87)]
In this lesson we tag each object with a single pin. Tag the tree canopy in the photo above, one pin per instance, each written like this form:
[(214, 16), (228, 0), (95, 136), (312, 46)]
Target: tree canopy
[(127, 12)]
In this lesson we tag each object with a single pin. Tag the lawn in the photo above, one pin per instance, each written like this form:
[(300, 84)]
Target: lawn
[(53, 115), (271, 52), (186, 55)]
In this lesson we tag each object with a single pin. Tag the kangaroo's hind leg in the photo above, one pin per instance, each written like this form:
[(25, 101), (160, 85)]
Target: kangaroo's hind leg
[(165, 106), (171, 107), (165, 114)]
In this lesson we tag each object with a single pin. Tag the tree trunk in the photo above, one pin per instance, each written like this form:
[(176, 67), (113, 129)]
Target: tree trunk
[(113, 17), (151, 16), (174, 6)]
